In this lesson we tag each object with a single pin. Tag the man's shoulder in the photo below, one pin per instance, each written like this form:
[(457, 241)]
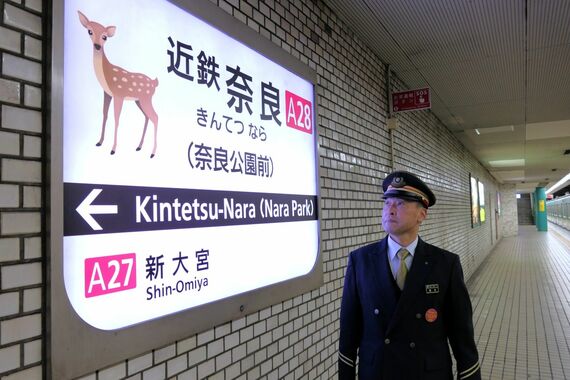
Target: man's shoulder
[(368, 250), (435, 250), (372, 247)]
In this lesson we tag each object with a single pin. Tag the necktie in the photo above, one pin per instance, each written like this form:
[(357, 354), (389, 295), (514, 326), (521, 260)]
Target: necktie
[(402, 269)]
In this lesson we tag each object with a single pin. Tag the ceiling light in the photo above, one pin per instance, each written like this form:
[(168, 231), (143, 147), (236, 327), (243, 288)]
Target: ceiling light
[(504, 128), (558, 184), (507, 163)]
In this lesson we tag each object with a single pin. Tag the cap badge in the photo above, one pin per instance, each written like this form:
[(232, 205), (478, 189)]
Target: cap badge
[(398, 182)]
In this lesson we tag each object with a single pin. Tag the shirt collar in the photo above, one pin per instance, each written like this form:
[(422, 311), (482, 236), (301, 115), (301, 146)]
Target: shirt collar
[(394, 247)]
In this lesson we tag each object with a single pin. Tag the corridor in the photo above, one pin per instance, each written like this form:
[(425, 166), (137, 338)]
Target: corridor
[(521, 306)]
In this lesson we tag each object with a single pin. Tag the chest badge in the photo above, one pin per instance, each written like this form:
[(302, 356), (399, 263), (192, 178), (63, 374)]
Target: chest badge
[(431, 315), (432, 288)]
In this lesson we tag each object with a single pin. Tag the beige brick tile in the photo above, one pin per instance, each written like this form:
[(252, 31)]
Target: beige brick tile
[(139, 364), (16, 329), (32, 248), (9, 91), (32, 299), (10, 39), (32, 196), (21, 68), (21, 119), (9, 358), (21, 19), (9, 143), (21, 170), (32, 352), (32, 47), (9, 304), (18, 275), (32, 147), (9, 195), (20, 222), (164, 354), (9, 249), (176, 365), (32, 96)]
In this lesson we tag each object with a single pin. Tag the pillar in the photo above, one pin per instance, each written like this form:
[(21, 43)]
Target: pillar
[(541, 221)]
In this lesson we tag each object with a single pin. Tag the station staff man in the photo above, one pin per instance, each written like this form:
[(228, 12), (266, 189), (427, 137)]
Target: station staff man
[(404, 299)]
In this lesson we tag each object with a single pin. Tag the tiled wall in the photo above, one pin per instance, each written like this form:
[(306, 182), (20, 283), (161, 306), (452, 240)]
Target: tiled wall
[(21, 170), (295, 339), (509, 218)]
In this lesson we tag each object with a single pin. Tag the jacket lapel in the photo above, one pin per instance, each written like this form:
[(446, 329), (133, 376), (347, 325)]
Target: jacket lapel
[(415, 281), (383, 280)]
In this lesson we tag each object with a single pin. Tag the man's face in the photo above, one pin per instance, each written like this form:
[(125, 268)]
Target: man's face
[(401, 217)]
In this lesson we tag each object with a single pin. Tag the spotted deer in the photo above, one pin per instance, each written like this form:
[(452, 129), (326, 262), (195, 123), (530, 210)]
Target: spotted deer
[(119, 84)]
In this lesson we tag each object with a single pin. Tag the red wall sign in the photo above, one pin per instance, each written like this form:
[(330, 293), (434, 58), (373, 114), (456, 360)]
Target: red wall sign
[(411, 100)]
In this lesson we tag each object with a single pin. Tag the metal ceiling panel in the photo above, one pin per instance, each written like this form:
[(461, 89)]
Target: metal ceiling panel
[(488, 63), (498, 78), (548, 23), (432, 33), (491, 114)]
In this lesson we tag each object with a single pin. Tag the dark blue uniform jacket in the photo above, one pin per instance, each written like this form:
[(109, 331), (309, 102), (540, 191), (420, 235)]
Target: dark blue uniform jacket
[(403, 335)]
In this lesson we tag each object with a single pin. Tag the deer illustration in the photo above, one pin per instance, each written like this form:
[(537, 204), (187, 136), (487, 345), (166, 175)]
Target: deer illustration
[(119, 84)]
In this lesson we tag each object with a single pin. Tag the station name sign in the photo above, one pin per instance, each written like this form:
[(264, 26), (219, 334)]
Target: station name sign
[(189, 164)]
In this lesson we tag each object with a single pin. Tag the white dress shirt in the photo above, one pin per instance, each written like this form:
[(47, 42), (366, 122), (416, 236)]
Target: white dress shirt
[(393, 249)]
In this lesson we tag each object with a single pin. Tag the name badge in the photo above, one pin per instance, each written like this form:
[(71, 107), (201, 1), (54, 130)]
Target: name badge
[(432, 288)]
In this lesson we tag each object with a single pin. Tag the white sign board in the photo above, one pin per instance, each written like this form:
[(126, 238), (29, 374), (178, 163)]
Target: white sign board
[(189, 164)]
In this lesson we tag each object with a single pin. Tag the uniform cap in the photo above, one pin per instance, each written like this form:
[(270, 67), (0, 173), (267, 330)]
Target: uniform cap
[(405, 185)]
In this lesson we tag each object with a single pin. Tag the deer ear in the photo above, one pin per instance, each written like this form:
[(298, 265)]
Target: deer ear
[(111, 31), (83, 19)]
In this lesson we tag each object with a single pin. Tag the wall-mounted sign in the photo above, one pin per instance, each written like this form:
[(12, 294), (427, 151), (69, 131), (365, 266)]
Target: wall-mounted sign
[(498, 203), (474, 191), (482, 209), (189, 164), (184, 172), (411, 100)]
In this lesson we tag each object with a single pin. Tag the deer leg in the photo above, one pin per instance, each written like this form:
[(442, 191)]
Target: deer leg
[(155, 122), (148, 110), (144, 132), (117, 106), (138, 103), (106, 103)]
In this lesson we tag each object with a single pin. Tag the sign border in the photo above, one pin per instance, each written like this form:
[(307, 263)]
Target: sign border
[(74, 348)]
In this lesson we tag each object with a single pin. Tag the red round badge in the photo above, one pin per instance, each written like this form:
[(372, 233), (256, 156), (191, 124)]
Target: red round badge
[(431, 315)]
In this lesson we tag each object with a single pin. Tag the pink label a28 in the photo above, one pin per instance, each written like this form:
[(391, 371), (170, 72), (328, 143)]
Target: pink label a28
[(299, 113)]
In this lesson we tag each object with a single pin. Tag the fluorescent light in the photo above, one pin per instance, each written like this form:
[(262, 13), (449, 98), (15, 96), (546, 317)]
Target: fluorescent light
[(558, 184), (507, 163), (504, 128)]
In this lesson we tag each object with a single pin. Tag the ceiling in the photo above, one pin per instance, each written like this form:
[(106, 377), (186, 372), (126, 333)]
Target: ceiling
[(498, 70)]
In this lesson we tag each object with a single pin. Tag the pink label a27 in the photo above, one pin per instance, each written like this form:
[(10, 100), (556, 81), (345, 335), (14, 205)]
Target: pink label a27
[(110, 274)]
